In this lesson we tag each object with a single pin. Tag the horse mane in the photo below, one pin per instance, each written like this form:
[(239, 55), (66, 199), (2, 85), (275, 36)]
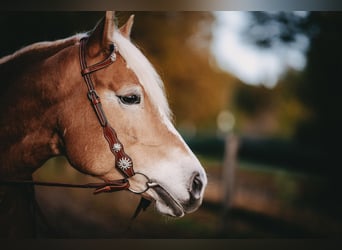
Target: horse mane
[(34, 53), (41, 50), (146, 73)]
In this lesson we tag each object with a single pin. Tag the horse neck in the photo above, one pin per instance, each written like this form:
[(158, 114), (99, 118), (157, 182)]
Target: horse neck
[(29, 112)]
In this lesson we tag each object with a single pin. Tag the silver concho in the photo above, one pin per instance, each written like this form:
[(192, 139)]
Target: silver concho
[(113, 57), (124, 163), (117, 147)]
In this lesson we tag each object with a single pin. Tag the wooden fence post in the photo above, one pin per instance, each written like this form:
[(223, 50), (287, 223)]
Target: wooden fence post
[(228, 177)]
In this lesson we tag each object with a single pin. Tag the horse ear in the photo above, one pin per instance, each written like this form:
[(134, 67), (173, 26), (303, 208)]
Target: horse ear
[(102, 36), (108, 30), (127, 27)]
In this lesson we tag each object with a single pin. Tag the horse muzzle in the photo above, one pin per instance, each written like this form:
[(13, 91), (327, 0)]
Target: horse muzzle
[(168, 203)]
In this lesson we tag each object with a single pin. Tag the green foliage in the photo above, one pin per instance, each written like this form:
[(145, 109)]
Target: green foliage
[(270, 111)]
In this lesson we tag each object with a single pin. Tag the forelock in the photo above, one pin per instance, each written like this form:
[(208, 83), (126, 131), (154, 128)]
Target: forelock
[(147, 75)]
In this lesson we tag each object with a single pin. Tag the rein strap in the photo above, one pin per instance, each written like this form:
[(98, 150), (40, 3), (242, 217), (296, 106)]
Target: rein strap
[(111, 186)]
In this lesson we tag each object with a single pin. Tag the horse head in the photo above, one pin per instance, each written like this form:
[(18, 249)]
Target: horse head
[(133, 99)]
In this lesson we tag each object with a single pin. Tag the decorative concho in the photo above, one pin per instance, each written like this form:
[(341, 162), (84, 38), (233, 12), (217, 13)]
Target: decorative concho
[(124, 163), (117, 147), (113, 57)]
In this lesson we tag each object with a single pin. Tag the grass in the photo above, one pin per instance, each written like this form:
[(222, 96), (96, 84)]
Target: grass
[(269, 202)]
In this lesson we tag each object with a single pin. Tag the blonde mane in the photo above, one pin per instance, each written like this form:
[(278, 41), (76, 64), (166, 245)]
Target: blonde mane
[(41, 50), (145, 72)]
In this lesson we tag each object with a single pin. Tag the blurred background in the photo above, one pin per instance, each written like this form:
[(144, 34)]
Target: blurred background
[(256, 95)]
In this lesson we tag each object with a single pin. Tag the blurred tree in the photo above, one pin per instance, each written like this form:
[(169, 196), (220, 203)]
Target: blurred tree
[(320, 89), (178, 44), (267, 29), (275, 112), (315, 96)]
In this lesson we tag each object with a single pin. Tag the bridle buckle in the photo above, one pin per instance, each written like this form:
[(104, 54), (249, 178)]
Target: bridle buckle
[(93, 96)]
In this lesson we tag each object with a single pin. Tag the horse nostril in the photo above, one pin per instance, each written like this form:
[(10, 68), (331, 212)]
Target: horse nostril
[(196, 186)]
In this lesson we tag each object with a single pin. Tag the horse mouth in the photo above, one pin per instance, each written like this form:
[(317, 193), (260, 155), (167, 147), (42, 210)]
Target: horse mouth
[(166, 203)]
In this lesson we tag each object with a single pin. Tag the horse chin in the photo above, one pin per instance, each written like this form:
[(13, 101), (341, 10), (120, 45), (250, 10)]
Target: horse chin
[(165, 203)]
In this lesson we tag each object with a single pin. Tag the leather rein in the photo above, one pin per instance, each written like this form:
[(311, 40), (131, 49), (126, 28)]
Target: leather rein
[(123, 163)]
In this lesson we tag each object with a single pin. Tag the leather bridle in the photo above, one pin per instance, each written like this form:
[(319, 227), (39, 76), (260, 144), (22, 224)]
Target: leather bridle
[(123, 163)]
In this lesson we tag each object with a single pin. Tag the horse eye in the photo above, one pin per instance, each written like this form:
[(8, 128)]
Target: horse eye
[(130, 99)]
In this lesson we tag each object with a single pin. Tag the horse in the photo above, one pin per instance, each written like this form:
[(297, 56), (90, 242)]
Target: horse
[(45, 112)]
